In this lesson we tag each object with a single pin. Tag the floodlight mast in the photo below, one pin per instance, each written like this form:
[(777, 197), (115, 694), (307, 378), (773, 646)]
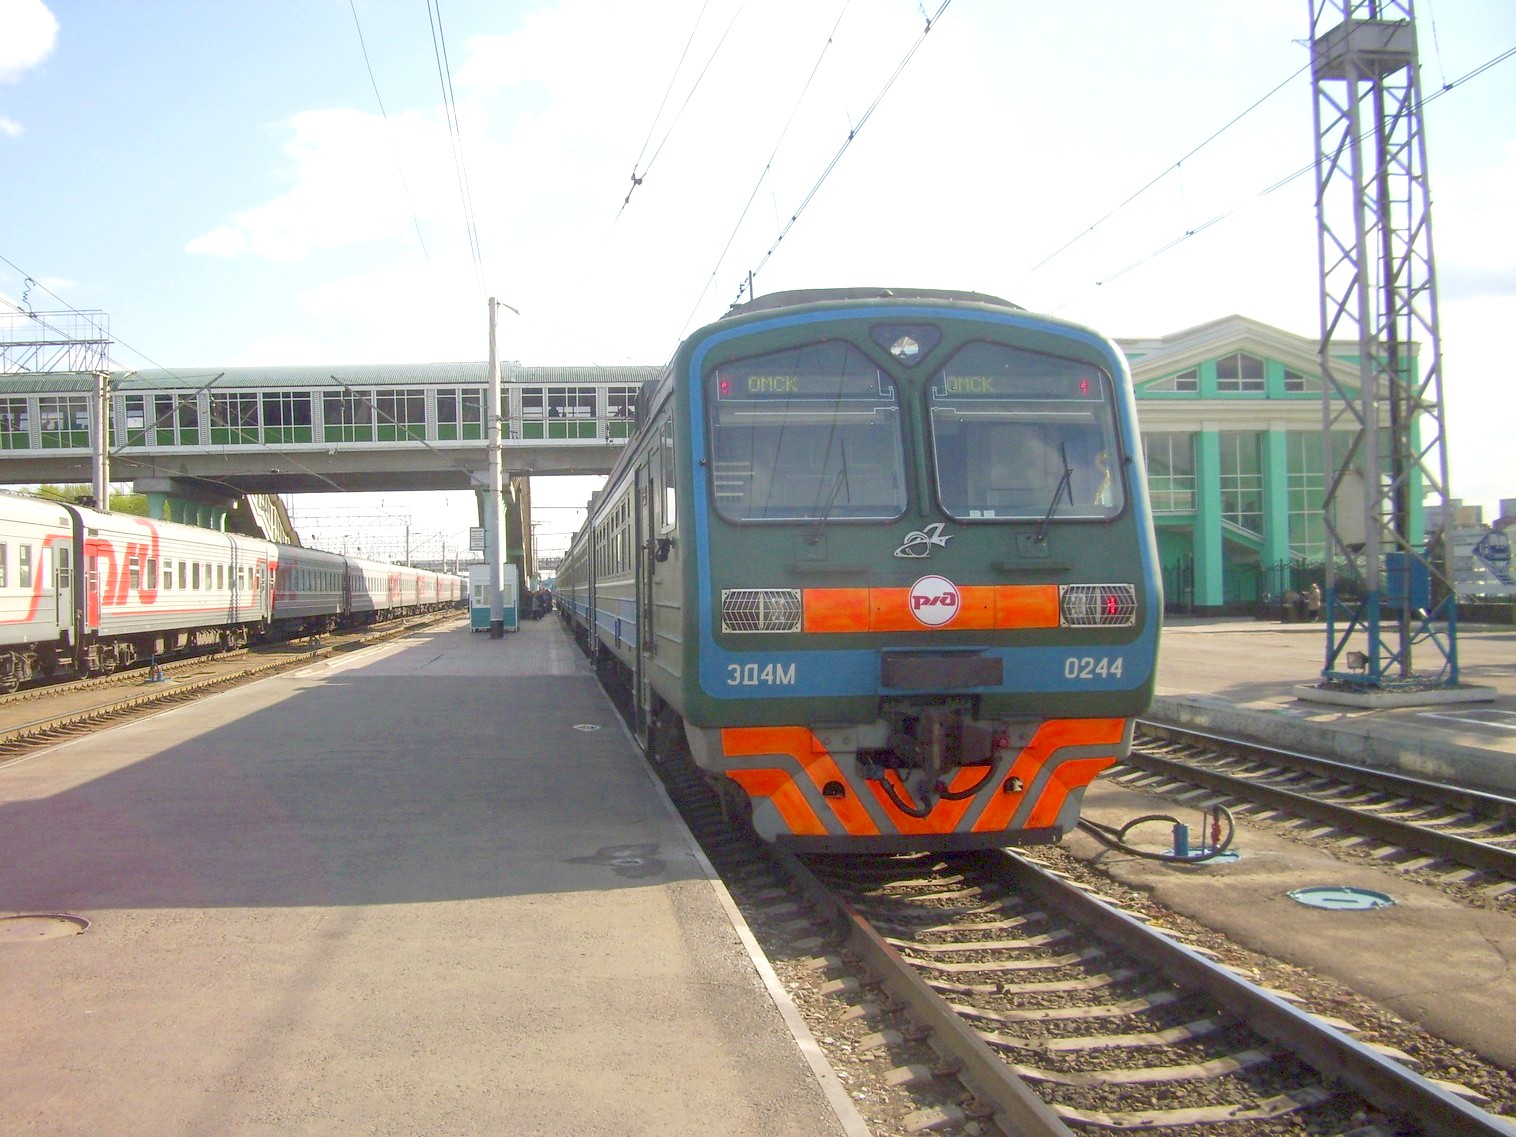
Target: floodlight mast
[(1381, 355)]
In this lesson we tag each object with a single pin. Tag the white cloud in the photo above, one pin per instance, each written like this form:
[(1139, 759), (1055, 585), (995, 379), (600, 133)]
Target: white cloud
[(9, 127), (345, 189), (27, 34), (223, 242)]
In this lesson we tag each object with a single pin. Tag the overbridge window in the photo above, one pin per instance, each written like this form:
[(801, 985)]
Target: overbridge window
[(287, 416), (135, 407), (620, 411), (64, 420), (401, 413), (460, 413), (234, 417), (347, 416), (15, 423), (176, 420)]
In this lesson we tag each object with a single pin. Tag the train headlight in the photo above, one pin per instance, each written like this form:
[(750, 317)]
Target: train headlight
[(760, 610), (1097, 605)]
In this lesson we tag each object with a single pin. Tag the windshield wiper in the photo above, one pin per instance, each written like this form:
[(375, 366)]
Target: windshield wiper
[(1066, 482), (831, 499)]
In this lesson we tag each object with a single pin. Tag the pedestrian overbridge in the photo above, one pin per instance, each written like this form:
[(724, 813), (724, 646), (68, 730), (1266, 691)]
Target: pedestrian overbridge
[(252, 430)]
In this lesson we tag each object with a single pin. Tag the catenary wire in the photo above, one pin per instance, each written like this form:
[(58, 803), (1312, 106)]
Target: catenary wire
[(460, 165), (767, 166), (389, 132), (1172, 166), (837, 157), (669, 90), (1279, 184), (667, 134)]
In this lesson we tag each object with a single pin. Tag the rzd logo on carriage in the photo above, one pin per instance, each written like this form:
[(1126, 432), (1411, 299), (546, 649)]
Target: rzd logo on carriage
[(934, 601)]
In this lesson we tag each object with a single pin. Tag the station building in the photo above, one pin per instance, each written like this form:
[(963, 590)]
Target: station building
[(1231, 419)]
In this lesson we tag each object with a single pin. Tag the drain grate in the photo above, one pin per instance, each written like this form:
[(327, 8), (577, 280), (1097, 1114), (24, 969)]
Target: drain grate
[(1341, 898)]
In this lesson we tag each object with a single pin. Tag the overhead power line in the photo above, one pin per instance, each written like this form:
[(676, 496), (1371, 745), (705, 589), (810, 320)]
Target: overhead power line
[(837, 157), (378, 98), (1279, 184), (460, 165)]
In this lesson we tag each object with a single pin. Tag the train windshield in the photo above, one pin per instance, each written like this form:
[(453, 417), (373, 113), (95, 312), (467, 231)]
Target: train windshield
[(806, 434), (1020, 435)]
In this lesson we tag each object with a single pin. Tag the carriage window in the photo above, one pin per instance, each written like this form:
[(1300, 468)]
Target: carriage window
[(197, 574), (1020, 435), (24, 569), (134, 574), (220, 577), (4, 562), (809, 433), (670, 514)]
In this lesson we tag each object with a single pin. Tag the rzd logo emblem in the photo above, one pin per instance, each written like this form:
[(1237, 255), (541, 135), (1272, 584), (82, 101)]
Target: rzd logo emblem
[(934, 600)]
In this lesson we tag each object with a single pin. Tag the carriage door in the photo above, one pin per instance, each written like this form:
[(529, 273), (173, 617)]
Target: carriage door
[(63, 582), (642, 542), (94, 583)]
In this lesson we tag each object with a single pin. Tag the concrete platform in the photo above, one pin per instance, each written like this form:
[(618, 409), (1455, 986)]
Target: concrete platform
[(1241, 678), (427, 888), (1435, 961)]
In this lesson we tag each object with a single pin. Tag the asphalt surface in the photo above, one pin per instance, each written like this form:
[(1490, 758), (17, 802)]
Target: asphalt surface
[(426, 888)]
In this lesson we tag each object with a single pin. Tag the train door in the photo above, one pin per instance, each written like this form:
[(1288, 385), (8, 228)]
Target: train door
[(642, 542), (95, 581), (63, 583)]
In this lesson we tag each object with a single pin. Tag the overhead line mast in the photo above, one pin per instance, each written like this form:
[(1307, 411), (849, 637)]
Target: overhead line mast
[(1381, 354)]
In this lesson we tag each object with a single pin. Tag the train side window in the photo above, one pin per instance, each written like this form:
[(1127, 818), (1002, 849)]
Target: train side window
[(196, 583), (24, 568), (183, 575), (670, 513), (168, 576), (134, 574), (152, 574), (220, 577), (5, 561)]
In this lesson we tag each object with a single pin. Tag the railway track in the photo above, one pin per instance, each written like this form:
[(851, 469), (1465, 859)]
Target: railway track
[(1463, 835), (985, 994), (43, 716)]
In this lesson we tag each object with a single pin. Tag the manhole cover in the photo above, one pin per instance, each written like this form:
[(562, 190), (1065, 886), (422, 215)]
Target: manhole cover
[(1341, 898), (47, 926)]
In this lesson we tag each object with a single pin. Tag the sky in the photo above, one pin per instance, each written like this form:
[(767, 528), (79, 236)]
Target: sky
[(261, 182)]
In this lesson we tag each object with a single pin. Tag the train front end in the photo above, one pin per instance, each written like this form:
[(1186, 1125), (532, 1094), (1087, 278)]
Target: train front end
[(924, 600)]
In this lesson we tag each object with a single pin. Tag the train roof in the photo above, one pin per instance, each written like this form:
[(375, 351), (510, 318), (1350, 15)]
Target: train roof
[(796, 297)]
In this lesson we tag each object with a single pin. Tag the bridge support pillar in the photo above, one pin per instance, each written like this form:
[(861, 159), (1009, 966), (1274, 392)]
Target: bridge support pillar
[(186, 501)]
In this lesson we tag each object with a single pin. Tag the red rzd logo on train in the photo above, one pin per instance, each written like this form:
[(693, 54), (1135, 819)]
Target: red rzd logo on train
[(934, 600)]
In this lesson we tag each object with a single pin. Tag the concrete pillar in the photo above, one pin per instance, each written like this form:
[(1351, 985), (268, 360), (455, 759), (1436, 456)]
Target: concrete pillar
[(1276, 497), (1207, 535)]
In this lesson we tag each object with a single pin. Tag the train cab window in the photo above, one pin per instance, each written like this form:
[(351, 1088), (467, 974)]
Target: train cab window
[(1018, 435), (806, 434), (24, 567)]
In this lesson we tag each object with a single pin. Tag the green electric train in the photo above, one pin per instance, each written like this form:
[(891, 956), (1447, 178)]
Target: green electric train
[(883, 560)]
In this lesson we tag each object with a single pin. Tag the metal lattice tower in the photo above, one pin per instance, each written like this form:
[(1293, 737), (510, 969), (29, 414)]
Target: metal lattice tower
[(1381, 358), (54, 341)]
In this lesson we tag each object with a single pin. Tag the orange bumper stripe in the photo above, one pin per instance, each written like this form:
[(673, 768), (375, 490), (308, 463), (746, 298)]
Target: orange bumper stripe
[(980, 607)]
